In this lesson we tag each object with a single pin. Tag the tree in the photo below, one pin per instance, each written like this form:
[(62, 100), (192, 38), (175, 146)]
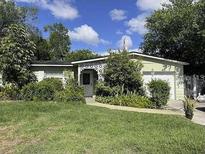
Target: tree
[(178, 32), (42, 51), (82, 54), (16, 53), (11, 14), (59, 41), (15, 46), (121, 71)]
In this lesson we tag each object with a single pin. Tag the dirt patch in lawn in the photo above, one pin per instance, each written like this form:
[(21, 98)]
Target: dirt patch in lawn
[(9, 141)]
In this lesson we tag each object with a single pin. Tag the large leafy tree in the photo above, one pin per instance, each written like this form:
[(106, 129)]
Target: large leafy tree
[(11, 14), (42, 51), (178, 32), (16, 48), (59, 41), (16, 53), (81, 55), (122, 72)]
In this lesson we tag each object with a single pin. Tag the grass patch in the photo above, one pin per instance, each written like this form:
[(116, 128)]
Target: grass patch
[(48, 127)]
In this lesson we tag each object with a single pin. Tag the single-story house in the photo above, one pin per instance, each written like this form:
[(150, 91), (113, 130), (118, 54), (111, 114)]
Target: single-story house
[(88, 72)]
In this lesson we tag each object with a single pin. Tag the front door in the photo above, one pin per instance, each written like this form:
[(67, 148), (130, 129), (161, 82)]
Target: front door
[(87, 82)]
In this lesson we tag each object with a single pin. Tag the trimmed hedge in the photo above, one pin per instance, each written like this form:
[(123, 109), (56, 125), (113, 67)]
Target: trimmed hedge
[(130, 100), (160, 91)]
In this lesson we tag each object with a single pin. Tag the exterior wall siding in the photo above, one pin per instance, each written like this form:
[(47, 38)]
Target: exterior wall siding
[(50, 72), (152, 65)]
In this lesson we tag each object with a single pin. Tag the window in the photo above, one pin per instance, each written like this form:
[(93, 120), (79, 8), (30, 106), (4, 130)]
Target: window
[(86, 78)]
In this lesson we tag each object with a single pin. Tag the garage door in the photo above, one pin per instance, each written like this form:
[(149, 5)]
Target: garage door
[(166, 76)]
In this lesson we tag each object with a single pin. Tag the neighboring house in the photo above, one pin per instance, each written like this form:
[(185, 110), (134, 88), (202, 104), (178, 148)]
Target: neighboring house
[(88, 72)]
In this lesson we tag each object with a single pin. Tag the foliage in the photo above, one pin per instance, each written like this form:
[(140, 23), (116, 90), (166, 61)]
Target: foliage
[(42, 91), (69, 75), (71, 93), (16, 49), (177, 32), (28, 92), (189, 106), (121, 71), (160, 91), (12, 14), (102, 90), (59, 41), (42, 51), (56, 83), (130, 100), (81, 55), (9, 92)]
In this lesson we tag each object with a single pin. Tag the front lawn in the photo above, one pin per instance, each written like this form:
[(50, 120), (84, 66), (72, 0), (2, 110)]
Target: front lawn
[(48, 127)]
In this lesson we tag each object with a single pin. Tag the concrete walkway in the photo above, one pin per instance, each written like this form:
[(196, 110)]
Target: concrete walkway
[(173, 108), (199, 116), (90, 101)]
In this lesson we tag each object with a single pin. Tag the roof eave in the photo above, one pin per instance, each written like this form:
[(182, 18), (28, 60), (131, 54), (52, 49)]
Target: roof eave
[(51, 65), (163, 59), (89, 60), (142, 55)]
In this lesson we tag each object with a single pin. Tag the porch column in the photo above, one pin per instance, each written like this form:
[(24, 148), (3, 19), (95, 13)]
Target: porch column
[(194, 87), (79, 72)]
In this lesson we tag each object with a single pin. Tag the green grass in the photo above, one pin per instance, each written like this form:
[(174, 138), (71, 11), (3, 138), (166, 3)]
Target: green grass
[(48, 127)]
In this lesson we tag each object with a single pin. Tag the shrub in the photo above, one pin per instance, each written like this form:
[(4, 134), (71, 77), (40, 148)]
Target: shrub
[(42, 91), (189, 106), (103, 90), (56, 83), (71, 93), (1, 88), (130, 100), (28, 92), (9, 92), (160, 92)]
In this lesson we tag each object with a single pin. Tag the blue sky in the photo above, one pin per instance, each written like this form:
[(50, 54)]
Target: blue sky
[(98, 25)]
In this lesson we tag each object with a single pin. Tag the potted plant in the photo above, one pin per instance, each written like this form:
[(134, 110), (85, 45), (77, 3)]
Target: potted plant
[(189, 105)]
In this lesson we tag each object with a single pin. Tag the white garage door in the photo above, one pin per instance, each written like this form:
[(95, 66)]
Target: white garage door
[(166, 76)]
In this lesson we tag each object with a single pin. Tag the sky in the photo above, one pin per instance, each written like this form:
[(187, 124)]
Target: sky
[(98, 25)]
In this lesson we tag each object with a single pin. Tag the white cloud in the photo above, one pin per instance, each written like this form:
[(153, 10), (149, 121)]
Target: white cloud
[(105, 42), (119, 32), (59, 8), (26, 1), (87, 34), (137, 24), (150, 4), (125, 40), (118, 15)]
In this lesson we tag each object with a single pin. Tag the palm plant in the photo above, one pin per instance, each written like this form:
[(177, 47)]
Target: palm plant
[(189, 105)]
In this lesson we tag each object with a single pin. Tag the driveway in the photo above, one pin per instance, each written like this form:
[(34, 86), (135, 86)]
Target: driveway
[(199, 116)]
